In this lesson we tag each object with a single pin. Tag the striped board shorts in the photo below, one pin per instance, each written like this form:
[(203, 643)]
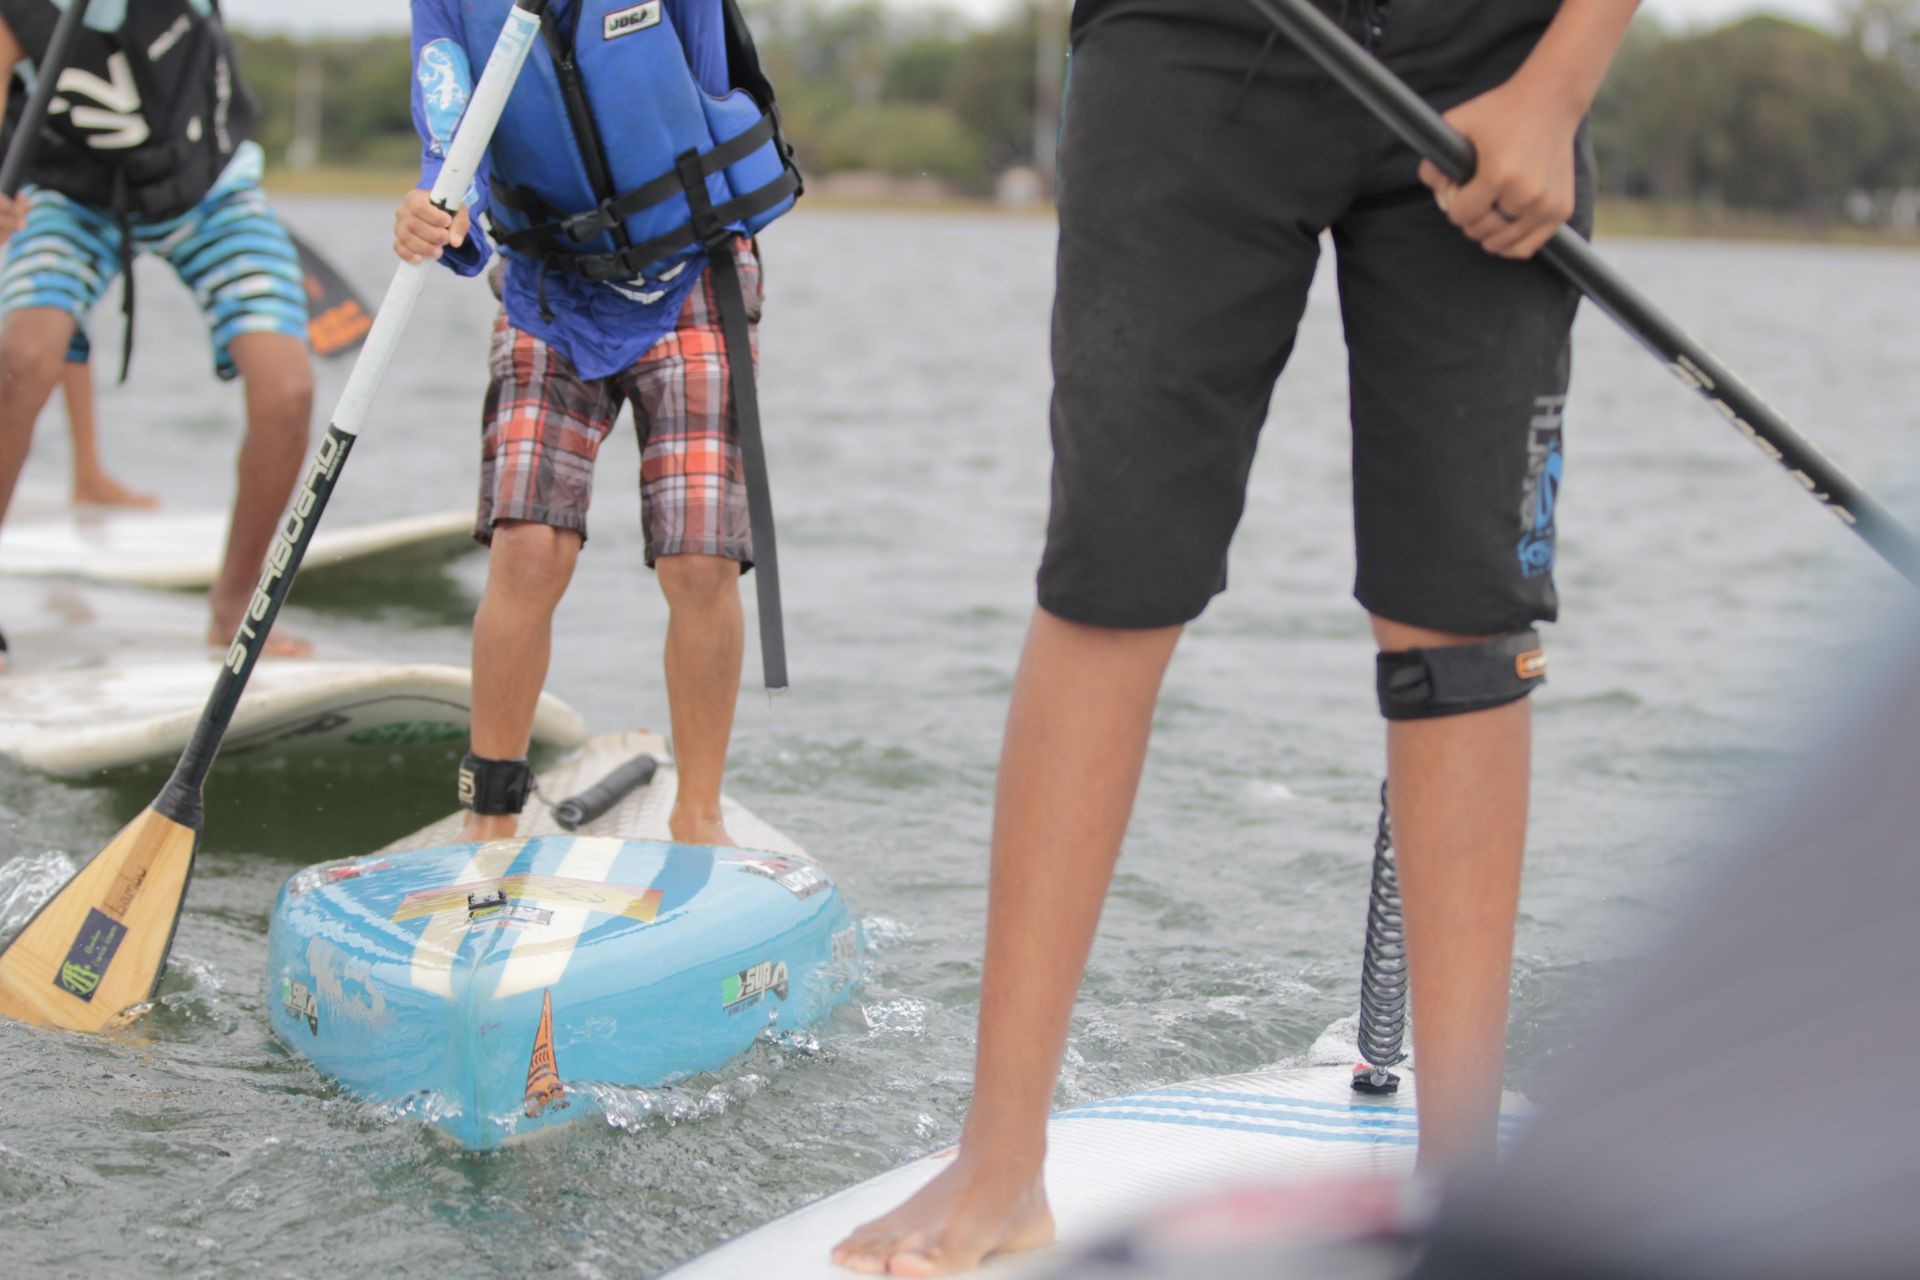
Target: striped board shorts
[(230, 250), (543, 426)]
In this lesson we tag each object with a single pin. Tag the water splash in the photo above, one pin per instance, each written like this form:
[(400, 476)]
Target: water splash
[(906, 1016), (27, 882), (882, 932)]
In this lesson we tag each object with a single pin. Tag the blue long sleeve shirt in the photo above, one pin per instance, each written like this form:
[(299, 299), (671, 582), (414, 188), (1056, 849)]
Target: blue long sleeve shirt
[(601, 329)]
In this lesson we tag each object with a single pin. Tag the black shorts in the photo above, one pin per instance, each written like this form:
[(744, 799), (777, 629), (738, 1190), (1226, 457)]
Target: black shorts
[(1199, 167)]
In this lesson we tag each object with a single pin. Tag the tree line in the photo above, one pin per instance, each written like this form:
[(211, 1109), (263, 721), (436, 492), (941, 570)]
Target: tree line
[(1762, 113)]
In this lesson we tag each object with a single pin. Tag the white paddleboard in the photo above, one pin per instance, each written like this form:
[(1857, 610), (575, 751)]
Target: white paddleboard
[(183, 550), (1110, 1162), (100, 680), (641, 815)]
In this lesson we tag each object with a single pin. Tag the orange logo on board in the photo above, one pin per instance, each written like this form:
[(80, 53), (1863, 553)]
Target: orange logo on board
[(1531, 664), (543, 1075)]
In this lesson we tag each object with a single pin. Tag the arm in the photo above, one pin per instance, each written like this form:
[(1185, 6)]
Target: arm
[(442, 84), (1524, 133)]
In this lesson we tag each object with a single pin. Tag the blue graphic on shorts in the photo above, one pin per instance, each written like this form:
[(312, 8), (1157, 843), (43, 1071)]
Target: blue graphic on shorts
[(1541, 490), (446, 79), (1536, 545)]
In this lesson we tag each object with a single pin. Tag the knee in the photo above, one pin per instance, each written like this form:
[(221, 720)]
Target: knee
[(283, 407), (1423, 674), (532, 562), (698, 582), (29, 365)]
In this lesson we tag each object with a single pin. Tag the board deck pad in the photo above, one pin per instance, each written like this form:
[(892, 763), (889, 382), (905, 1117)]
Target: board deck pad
[(1110, 1162), (183, 550), (502, 988)]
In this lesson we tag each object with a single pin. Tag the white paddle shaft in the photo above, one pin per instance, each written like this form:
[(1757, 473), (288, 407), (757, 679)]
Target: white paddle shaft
[(470, 142)]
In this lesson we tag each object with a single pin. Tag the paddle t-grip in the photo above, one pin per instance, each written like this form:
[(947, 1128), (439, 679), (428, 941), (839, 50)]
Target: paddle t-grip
[(577, 811)]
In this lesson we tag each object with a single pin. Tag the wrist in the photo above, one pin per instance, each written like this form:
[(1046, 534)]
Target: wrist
[(1555, 89)]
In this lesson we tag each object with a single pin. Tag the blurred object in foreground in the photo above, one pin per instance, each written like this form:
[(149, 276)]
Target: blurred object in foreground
[(1742, 1113)]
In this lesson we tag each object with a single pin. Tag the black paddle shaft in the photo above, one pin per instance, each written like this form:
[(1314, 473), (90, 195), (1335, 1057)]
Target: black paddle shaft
[(180, 799), (13, 170), (1420, 127)]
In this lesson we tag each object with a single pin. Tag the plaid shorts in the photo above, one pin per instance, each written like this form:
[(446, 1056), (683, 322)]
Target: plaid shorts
[(544, 425)]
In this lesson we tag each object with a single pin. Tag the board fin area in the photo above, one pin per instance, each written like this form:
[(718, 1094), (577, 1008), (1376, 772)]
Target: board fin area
[(97, 948)]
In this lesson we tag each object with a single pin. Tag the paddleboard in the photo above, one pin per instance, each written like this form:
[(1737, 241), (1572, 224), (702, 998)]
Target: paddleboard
[(105, 679), (183, 550), (495, 990), (1109, 1163)]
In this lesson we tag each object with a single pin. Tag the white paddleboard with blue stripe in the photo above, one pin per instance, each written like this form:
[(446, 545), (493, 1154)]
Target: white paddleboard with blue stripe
[(1110, 1162), (183, 550)]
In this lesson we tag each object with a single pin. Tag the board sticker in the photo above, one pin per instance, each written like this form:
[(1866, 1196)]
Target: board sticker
[(91, 953), (544, 1088), (738, 990), (801, 879)]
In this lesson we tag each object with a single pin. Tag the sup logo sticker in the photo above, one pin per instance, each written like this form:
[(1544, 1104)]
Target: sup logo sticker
[(544, 1088), (801, 879), (624, 22), (91, 953), (738, 990), (502, 914), (297, 999)]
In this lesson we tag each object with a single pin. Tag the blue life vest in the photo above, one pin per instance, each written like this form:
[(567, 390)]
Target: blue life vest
[(611, 161)]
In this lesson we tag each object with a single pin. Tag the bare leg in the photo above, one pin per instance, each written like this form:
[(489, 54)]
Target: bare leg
[(33, 346), (33, 343), (279, 381), (1457, 787), (1076, 740), (92, 486), (527, 573), (704, 637)]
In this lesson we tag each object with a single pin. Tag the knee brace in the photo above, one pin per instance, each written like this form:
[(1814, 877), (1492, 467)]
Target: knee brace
[(1422, 684), (494, 787)]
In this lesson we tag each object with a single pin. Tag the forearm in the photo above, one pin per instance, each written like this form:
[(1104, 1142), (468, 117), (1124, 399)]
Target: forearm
[(1572, 57)]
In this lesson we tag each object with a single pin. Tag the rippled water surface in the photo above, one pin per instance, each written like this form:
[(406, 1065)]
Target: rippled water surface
[(1708, 606)]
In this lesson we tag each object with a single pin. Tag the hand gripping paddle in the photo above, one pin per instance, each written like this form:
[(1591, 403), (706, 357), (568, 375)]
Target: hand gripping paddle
[(1422, 128), (98, 947)]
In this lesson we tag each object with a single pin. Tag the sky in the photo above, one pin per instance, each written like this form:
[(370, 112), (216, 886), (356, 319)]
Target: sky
[(346, 16)]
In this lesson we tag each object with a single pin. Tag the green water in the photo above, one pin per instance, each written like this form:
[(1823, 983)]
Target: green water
[(1706, 603)]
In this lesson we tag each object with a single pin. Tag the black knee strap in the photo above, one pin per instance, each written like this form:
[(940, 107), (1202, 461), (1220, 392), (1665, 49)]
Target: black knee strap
[(494, 787), (1421, 684)]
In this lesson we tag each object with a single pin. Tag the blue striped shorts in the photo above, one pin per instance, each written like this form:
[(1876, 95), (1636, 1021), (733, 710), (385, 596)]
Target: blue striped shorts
[(230, 250)]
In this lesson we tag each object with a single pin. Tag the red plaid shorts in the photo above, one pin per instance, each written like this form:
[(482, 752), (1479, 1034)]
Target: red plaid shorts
[(544, 425)]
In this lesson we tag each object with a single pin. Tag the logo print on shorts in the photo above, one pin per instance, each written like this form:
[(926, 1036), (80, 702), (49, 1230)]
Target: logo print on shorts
[(1540, 492)]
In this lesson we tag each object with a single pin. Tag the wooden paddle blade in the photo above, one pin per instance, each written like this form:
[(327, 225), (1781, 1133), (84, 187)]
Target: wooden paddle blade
[(337, 320), (97, 947)]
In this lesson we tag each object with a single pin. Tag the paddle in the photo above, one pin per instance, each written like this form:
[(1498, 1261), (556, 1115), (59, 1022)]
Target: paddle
[(337, 321), (26, 137), (1421, 128), (99, 945)]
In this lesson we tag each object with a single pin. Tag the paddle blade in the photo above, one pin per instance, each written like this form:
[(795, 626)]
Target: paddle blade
[(97, 947), (337, 320)]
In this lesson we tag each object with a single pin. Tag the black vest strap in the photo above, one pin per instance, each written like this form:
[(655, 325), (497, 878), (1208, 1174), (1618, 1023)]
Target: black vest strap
[(608, 214)]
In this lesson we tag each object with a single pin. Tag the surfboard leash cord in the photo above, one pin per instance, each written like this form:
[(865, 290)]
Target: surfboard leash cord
[(1383, 970)]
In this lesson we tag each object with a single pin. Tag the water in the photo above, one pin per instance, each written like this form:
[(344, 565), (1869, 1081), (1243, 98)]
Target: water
[(1708, 607)]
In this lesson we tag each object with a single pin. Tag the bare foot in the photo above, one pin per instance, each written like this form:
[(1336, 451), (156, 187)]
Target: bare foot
[(280, 642), (967, 1214), (482, 827), (687, 827), (101, 490)]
